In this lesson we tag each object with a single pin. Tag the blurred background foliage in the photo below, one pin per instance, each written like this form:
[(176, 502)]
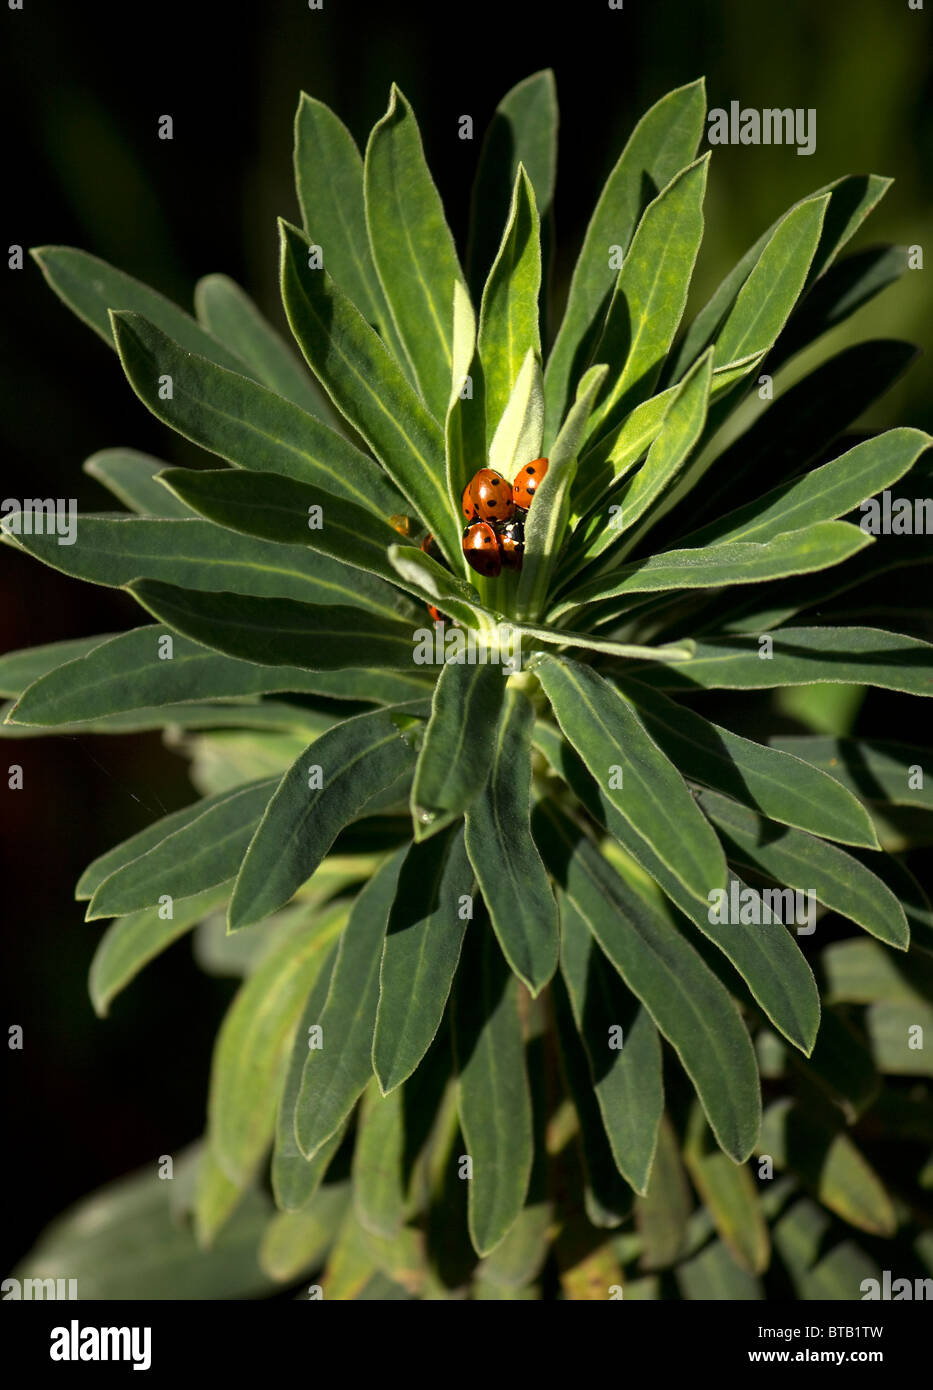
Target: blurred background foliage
[(83, 87)]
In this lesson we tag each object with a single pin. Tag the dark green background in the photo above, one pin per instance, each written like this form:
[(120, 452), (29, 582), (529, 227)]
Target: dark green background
[(83, 86)]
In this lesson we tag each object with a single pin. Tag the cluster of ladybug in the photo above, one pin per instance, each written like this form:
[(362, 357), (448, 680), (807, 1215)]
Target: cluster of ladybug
[(495, 538)]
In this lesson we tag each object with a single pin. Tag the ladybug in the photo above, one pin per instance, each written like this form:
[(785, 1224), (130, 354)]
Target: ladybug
[(491, 496), (401, 524), (433, 614), (526, 482), (467, 505), (428, 546), (481, 548), (512, 544)]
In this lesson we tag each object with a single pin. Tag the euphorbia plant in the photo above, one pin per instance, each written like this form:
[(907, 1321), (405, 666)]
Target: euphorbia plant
[(502, 898)]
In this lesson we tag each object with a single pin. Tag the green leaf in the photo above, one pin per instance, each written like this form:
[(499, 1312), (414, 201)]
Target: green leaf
[(329, 183), (661, 1215), (280, 632), (420, 955), (508, 320), (785, 788), (252, 1048), (335, 1074), (281, 509), (547, 520), (682, 427), (663, 142), (607, 1197), (354, 761), (378, 1161), (244, 422), (457, 751), (296, 1179), (623, 1050), (203, 852), (422, 575), (636, 777), (896, 1034), (231, 316), (91, 288), (829, 1164), (465, 420), (412, 248), (798, 426), (822, 494), (513, 880), (875, 770), (131, 477), (767, 959), (688, 1004), (860, 971), (127, 672), (714, 1275), (729, 1195), (803, 656), (838, 293), (733, 562), (132, 942), (98, 1243), (368, 386), (764, 303), (19, 670), (650, 294), (523, 132), (519, 435), (849, 201), (800, 1237), (114, 550), (805, 863), (493, 1098), (296, 1242)]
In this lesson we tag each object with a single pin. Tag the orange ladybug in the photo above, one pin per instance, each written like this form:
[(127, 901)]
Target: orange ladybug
[(526, 482), (433, 613), (467, 505), (481, 548), (491, 496), (512, 544)]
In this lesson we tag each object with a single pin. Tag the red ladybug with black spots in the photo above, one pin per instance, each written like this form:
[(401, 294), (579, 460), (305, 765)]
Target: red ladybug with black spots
[(526, 482), (481, 548)]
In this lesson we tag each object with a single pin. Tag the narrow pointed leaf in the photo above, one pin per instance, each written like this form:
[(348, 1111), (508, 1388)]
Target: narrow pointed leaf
[(661, 1215), (512, 878), (335, 1074), (508, 320), (519, 435), (728, 1193), (457, 750), (412, 248), (663, 142), (369, 387), (803, 656), (279, 632), (129, 672), (378, 1163), (296, 1179), (190, 859), (649, 296), (688, 1004), (329, 183), (622, 1048), (814, 547), (606, 731), (803, 862), (875, 770), (784, 788), (523, 131), (91, 288), (355, 761), (493, 1097), (131, 477), (420, 954), (231, 316), (547, 520), (133, 941), (244, 422), (252, 1049)]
